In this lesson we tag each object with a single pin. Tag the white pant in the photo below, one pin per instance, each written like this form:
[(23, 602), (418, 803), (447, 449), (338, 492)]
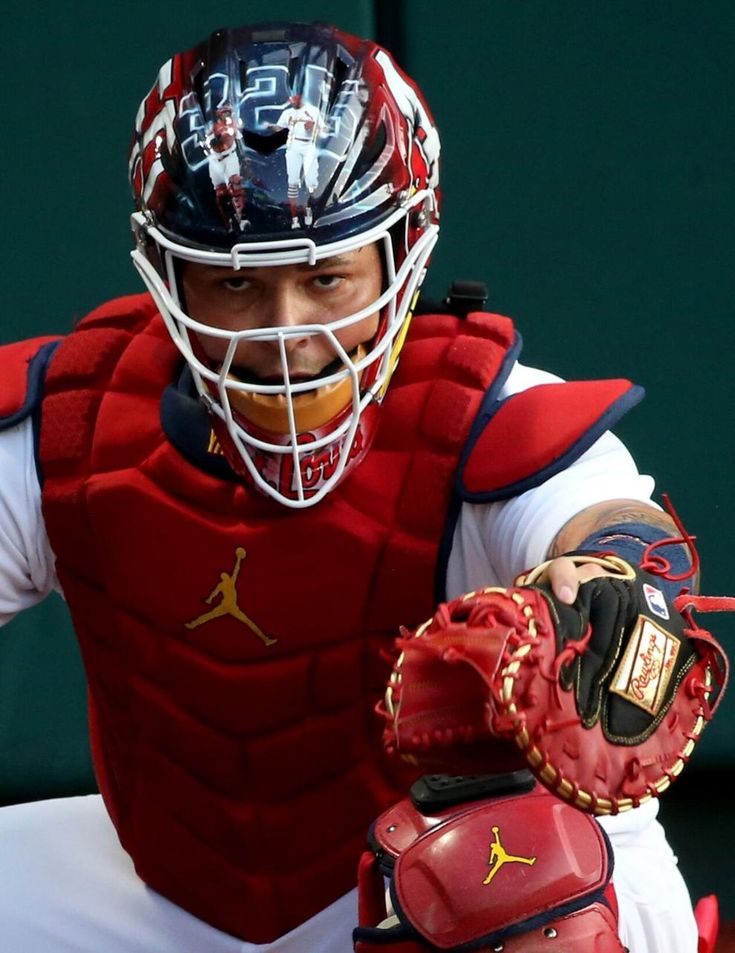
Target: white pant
[(223, 166), (302, 163), (66, 886), (655, 910)]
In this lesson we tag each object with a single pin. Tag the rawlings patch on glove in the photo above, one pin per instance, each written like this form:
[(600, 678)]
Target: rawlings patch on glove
[(605, 699)]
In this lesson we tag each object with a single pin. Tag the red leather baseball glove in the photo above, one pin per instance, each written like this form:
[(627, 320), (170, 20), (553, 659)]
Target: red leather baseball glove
[(605, 699)]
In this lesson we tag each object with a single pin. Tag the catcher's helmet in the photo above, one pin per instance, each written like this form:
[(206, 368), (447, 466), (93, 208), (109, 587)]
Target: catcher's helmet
[(372, 152)]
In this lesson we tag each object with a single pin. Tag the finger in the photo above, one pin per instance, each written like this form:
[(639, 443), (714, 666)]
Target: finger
[(589, 571), (565, 577)]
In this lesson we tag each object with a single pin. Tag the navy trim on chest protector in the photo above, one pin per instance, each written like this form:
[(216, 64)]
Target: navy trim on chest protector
[(520, 442)]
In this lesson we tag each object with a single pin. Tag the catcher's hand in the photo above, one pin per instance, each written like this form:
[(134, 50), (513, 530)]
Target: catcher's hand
[(605, 699)]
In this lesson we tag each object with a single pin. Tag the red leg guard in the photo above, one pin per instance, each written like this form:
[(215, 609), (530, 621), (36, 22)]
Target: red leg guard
[(707, 915), (510, 872)]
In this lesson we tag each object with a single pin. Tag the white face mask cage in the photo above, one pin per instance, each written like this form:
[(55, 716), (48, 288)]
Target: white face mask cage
[(341, 434)]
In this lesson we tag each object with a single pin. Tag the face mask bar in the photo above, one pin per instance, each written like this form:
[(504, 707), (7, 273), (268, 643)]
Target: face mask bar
[(404, 283)]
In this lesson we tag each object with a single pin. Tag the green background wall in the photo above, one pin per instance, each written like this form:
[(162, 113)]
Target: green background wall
[(588, 156), (588, 179)]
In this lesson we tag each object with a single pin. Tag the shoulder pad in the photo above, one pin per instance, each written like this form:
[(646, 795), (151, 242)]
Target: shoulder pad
[(135, 309), (22, 371), (520, 442)]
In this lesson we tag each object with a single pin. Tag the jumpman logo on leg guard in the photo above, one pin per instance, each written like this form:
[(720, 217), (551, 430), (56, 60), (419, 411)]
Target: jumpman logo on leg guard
[(499, 856)]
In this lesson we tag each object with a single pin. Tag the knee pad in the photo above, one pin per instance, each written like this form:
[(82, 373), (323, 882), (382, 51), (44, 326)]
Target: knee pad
[(509, 870)]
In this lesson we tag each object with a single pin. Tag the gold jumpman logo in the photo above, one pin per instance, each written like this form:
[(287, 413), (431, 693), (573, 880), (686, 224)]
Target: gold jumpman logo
[(226, 589), (499, 856)]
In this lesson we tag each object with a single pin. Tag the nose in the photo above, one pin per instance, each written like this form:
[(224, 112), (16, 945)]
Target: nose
[(283, 307)]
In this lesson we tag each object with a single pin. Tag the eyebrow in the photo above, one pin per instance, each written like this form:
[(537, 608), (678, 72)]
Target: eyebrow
[(336, 261)]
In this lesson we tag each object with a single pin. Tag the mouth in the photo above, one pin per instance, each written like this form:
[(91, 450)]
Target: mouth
[(312, 409), (248, 376)]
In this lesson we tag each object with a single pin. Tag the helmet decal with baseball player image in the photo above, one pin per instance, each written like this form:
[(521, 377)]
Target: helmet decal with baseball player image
[(286, 144), (226, 167)]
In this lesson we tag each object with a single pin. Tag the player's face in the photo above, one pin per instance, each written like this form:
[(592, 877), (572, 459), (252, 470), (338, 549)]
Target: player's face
[(286, 296)]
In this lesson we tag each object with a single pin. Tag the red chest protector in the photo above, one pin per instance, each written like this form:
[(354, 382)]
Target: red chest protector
[(242, 775), (231, 644)]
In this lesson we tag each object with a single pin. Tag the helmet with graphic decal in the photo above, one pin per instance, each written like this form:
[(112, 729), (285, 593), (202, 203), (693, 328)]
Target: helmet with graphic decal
[(373, 179)]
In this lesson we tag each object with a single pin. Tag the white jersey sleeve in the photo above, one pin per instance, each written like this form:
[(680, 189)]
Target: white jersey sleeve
[(283, 119), (27, 571), (494, 542)]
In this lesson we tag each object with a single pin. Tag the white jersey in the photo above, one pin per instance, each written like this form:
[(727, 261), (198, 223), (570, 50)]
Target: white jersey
[(62, 860), (302, 125)]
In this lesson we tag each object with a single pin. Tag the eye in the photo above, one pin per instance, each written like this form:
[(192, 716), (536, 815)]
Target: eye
[(236, 283), (328, 281)]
